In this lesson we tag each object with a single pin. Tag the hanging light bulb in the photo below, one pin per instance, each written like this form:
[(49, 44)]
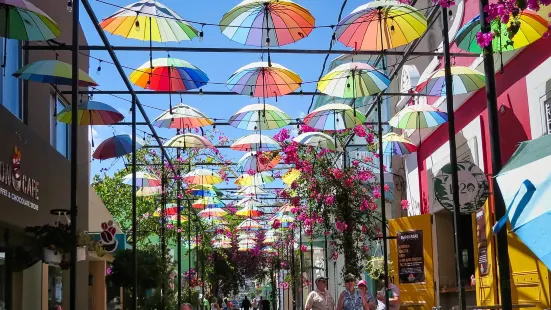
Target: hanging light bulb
[(301, 93), (201, 34), (268, 41), (334, 39), (251, 94), (98, 71), (392, 28), (450, 14), (137, 24), (70, 6), (201, 92)]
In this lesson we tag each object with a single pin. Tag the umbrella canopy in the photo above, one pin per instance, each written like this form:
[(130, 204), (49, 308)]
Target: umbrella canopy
[(204, 190), (170, 209), (116, 146), (282, 219), (249, 211), (285, 210), (249, 224), (190, 141), (290, 176), (400, 23), (251, 190), (418, 117), (23, 21), (260, 117), (182, 116), (249, 202), (221, 245), (525, 184), (353, 80), (143, 179), (464, 80), (334, 116), (255, 142), (210, 212), (173, 219), (53, 72), (262, 79), (269, 250), (532, 28), (216, 222), (395, 144), (149, 20), (318, 139), (261, 178), (202, 176), (208, 202), (91, 113), (149, 191), (169, 74), (258, 162), (249, 21)]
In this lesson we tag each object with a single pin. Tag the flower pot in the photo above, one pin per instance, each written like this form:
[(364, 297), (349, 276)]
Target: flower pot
[(81, 253), (52, 257)]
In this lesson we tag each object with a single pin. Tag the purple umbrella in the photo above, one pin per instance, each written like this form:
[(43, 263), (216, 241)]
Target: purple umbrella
[(116, 146)]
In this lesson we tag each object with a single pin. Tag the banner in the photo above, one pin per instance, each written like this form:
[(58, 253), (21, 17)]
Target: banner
[(411, 263)]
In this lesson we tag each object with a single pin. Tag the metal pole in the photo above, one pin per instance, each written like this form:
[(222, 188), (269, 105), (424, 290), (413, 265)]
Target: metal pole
[(293, 272), (383, 198), (495, 151), (74, 156), (163, 237), (325, 254), (301, 257), (189, 249), (453, 158), (134, 212), (312, 260), (179, 227)]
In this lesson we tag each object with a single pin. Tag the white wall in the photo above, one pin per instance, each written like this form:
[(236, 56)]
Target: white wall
[(539, 88), (412, 179)]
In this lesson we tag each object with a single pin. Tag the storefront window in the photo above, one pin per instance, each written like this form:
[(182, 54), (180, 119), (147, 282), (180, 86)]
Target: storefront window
[(60, 132), (55, 287), (10, 87), (2, 280)]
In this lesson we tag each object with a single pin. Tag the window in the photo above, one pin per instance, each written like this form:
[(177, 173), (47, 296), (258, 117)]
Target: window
[(60, 133), (547, 107), (10, 87)]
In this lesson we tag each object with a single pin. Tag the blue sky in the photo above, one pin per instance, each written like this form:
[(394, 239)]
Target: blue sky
[(218, 66)]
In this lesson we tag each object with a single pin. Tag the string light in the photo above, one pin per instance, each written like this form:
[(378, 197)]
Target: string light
[(201, 34), (201, 92), (98, 71), (137, 23), (450, 14), (70, 6)]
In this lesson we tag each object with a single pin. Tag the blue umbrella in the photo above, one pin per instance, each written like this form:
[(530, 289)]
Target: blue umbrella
[(525, 184), (116, 146)]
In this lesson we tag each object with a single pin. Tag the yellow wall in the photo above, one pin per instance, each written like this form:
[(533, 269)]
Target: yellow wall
[(486, 286), (97, 292)]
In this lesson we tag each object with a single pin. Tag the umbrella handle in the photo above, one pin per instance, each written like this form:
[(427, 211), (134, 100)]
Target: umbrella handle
[(530, 190)]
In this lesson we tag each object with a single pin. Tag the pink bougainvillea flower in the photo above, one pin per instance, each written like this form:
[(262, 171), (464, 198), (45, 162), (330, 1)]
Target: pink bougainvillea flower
[(329, 199), (484, 39), (360, 131), (386, 187), (276, 224), (335, 256), (303, 248), (405, 204), (342, 226), (370, 138)]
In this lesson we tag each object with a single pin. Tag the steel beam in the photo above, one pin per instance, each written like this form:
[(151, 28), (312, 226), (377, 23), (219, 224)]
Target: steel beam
[(211, 93)]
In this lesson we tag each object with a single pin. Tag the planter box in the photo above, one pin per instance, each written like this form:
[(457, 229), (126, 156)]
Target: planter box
[(81, 254), (52, 257)]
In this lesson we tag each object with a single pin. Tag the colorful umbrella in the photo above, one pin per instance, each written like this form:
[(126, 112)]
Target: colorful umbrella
[(246, 235), (318, 139), (169, 74), (23, 21), (221, 245), (353, 80), (214, 221), (267, 22), (249, 224), (204, 190), (249, 211), (290, 176), (283, 219), (182, 116), (149, 20), (269, 250), (190, 141), (255, 142), (149, 191), (170, 209), (53, 72), (249, 202), (262, 79), (143, 179), (116, 146), (532, 28), (256, 179), (418, 117), (173, 219), (260, 117), (91, 113), (212, 212), (464, 80), (400, 23), (252, 190), (285, 210), (202, 176), (258, 161), (208, 202), (334, 116), (395, 144)]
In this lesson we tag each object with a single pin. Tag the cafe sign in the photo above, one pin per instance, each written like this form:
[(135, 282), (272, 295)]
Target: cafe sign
[(18, 186)]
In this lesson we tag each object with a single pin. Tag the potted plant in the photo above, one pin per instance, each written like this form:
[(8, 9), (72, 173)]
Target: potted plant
[(53, 239)]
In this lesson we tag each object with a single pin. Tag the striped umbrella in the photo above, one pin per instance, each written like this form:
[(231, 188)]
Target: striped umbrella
[(263, 79), (267, 22), (249, 211), (53, 72), (23, 21), (418, 117), (251, 190), (400, 24), (212, 212), (170, 209), (190, 141), (261, 178), (285, 210), (290, 176), (91, 113), (173, 219), (149, 20), (249, 224), (116, 146), (269, 250), (202, 176), (318, 139), (182, 116), (284, 220), (208, 202), (216, 222), (204, 190), (259, 162), (464, 80), (149, 191), (395, 144), (169, 74), (221, 245), (143, 179), (353, 80), (249, 202), (334, 116), (255, 142), (259, 117)]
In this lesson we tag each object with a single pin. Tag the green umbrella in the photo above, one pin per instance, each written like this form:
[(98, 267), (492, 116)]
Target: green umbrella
[(22, 20), (53, 72)]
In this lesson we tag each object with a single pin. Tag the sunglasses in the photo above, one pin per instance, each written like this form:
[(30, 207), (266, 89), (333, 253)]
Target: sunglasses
[(348, 281)]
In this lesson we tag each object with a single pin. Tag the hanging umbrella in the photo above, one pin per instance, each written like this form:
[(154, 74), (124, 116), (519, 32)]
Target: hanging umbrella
[(284, 220), (464, 80), (190, 141), (53, 72), (400, 24), (258, 161), (221, 238), (116, 146), (255, 142), (91, 113), (149, 20), (208, 202), (249, 211), (334, 116), (210, 212), (353, 80), (395, 144), (260, 117), (269, 250), (204, 190), (418, 117), (222, 245), (149, 191), (173, 219), (261, 178), (249, 21), (264, 80), (532, 27), (249, 224), (318, 139), (143, 179), (23, 21), (290, 176), (182, 116), (214, 221), (169, 74), (170, 209), (202, 176), (251, 190), (249, 202)]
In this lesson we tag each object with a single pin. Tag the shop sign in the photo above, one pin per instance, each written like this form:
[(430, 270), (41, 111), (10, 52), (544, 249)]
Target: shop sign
[(109, 239), (473, 187), (18, 186), (482, 242), (411, 262)]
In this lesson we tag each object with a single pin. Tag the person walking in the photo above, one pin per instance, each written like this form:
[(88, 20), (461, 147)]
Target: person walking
[(320, 298), (245, 304), (186, 306), (355, 299), (255, 303), (214, 305), (393, 293)]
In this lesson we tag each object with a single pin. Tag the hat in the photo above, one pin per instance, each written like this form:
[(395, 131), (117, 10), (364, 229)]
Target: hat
[(349, 277), (362, 282), (320, 278)]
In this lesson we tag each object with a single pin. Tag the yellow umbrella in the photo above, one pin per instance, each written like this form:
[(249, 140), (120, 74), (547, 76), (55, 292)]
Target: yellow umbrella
[(290, 176)]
